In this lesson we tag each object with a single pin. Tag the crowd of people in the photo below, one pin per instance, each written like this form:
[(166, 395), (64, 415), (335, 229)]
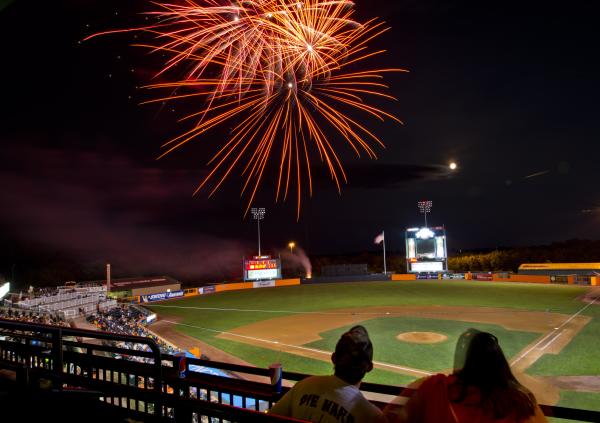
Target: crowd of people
[(481, 389), (28, 316), (126, 320)]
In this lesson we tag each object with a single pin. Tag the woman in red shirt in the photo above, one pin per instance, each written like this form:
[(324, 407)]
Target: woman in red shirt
[(484, 390)]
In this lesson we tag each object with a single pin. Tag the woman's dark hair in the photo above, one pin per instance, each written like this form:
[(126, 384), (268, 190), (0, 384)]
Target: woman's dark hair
[(486, 368)]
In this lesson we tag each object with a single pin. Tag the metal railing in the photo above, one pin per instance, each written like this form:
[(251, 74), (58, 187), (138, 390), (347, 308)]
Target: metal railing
[(130, 374)]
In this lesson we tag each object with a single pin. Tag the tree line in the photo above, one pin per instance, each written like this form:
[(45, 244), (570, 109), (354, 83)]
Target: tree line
[(509, 259)]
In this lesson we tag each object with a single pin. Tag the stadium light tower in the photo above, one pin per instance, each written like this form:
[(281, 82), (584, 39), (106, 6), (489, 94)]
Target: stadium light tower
[(425, 207), (258, 214)]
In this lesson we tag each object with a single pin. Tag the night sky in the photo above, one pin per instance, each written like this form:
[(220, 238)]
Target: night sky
[(506, 90)]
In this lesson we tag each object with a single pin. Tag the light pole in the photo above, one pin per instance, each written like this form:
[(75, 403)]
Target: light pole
[(292, 245), (425, 207), (258, 214)]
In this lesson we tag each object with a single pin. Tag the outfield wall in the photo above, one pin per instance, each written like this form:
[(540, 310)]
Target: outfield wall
[(523, 278), (504, 277), (404, 276), (492, 277), (211, 289)]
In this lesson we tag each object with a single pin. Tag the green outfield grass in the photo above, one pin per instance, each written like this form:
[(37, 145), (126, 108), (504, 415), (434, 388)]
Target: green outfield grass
[(431, 357), (556, 298), (210, 314)]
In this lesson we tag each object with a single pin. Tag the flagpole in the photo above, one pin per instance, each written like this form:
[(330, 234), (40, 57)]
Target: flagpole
[(384, 264)]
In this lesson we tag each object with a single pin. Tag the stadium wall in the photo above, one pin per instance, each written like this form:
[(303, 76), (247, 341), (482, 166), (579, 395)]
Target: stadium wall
[(377, 277), (287, 282), (155, 289), (523, 278), (237, 286), (496, 277), (234, 286), (404, 276)]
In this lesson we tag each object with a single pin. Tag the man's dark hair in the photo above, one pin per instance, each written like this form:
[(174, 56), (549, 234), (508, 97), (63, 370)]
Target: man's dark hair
[(353, 356)]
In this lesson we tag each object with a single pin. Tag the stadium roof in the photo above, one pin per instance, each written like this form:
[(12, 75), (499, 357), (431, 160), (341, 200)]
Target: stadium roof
[(560, 266), (123, 284)]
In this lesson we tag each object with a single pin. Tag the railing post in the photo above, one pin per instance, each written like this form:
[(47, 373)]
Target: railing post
[(57, 356), (158, 382), (89, 367), (182, 390)]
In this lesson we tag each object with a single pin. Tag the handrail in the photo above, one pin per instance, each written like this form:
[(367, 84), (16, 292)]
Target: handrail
[(167, 389), (549, 410), (58, 333)]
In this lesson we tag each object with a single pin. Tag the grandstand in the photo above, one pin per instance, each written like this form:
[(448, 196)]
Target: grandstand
[(142, 285), (69, 302), (84, 298)]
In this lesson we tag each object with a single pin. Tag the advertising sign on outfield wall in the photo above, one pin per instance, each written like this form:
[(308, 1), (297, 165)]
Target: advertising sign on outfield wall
[(208, 289), (453, 276), (484, 276), (161, 296), (263, 284)]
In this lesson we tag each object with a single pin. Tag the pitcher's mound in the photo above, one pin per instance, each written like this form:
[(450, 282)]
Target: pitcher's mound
[(422, 337)]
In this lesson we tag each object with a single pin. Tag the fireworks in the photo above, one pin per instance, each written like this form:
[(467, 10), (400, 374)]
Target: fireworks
[(280, 74)]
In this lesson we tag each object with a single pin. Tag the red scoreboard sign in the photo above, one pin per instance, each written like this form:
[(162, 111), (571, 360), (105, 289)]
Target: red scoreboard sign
[(261, 264)]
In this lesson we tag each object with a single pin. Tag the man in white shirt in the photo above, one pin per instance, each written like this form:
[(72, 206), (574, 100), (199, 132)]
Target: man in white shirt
[(336, 398)]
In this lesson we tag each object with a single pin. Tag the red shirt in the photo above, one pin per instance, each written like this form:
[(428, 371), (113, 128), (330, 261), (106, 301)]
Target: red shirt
[(431, 404)]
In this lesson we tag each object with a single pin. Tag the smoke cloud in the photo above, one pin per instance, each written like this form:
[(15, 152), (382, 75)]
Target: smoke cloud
[(98, 209), (297, 260)]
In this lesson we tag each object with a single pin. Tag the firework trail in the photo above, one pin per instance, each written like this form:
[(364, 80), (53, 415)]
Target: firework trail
[(279, 71)]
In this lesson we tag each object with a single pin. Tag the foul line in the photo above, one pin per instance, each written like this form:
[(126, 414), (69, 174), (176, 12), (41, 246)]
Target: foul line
[(549, 334), (344, 313), (267, 341), (551, 341)]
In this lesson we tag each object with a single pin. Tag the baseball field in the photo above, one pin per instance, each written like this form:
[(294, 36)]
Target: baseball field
[(551, 333)]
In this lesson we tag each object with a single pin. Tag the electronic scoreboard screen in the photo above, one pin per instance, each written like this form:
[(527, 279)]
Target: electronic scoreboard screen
[(426, 249), (262, 267)]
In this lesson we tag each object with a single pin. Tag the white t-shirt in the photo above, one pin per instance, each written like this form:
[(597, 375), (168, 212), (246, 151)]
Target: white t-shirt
[(327, 399)]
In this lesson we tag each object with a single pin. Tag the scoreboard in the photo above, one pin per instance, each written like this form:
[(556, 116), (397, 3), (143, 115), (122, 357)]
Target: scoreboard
[(261, 268), (426, 249)]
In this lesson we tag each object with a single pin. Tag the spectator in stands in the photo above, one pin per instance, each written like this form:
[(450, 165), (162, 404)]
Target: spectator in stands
[(336, 398), (128, 321), (31, 317), (482, 390)]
